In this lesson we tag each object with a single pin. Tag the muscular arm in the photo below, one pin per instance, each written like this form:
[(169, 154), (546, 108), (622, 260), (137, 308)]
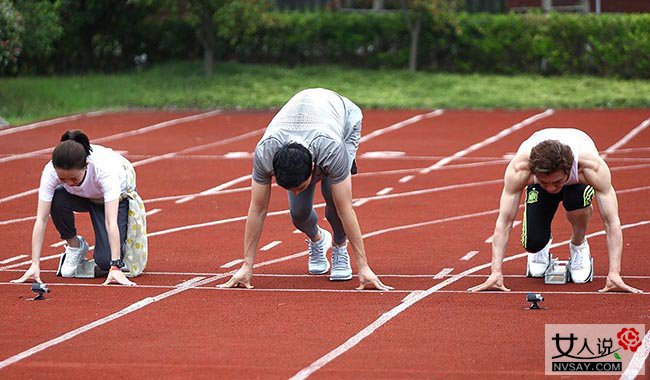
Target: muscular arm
[(515, 179), (597, 174), (514, 182)]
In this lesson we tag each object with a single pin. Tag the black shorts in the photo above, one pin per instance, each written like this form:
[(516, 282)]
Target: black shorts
[(540, 209)]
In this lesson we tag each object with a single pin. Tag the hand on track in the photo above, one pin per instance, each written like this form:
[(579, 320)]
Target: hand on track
[(615, 283), (243, 277), (368, 278), (494, 282), (34, 271), (116, 276)]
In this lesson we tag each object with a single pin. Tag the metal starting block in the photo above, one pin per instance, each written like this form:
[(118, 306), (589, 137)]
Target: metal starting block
[(558, 272)]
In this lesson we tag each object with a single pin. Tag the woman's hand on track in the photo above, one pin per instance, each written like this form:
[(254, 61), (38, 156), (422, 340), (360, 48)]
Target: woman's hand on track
[(34, 271), (116, 276)]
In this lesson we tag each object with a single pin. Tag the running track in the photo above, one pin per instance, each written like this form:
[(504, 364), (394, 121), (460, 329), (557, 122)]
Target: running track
[(426, 197)]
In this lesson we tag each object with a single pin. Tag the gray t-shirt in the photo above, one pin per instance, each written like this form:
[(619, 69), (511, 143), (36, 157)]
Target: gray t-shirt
[(326, 123)]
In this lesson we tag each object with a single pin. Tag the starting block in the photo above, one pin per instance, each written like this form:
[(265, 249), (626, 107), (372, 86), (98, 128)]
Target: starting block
[(558, 272)]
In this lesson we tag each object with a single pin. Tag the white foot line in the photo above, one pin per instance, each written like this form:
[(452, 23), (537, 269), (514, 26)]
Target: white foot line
[(399, 125), (627, 138), (489, 140), (406, 303), (119, 135), (469, 255), (634, 368), (45, 123), (15, 258)]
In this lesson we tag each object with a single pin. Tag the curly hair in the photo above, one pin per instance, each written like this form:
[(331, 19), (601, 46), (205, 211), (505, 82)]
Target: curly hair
[(292, 165), (549, 156)]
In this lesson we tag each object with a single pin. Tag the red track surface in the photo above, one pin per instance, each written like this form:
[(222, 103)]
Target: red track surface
[(291, 320)]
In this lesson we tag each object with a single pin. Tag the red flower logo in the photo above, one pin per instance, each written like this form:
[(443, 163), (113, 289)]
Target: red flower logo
[(629, 339)]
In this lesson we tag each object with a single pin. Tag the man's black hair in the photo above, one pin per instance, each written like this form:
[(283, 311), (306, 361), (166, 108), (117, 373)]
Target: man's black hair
[(292, 165)]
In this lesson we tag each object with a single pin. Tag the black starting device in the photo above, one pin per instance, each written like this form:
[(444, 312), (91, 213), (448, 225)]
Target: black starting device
[(534, 298), (39, 289)]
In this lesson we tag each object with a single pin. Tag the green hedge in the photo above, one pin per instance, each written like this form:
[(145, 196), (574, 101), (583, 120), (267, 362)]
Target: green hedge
[(108, 39)]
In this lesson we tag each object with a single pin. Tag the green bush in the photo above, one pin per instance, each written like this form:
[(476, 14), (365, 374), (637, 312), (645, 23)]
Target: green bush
[(11, 30), (42, 30)]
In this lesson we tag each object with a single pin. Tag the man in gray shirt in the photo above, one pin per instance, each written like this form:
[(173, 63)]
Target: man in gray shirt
[(313, 138)]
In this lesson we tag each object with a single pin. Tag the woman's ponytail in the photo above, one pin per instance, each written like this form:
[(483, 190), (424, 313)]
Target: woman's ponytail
[(73, 151)]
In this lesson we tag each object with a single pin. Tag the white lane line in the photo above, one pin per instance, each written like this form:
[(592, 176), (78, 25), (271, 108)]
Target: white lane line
[(116, 136), (359, 203), (443, 273), (46, 123), (383, 154), (15, 258), (515, 224), (636, 364), (627, 137), (271, 245), (217, 189), (406, 179), (408, 302), (153, 212), (190, 282), (19, 195), (385, 191), (231, 264), (297, 231), (469, 255), (199, 147), (4, 222), (489, 140), (401, 124)]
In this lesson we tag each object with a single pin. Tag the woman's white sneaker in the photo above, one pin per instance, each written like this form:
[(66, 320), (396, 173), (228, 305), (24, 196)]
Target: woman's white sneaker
[(341, 269), (318, 263), (71, 259)]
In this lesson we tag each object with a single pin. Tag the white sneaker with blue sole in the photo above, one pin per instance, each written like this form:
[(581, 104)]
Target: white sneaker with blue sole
[(318, 263), (341, 269)]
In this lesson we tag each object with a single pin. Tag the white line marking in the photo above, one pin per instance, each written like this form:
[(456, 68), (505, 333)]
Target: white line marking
[(443, 273), (383, 154), (469, 255), (116, 136), (634, 368), (270, 245), (385, 191), (153, 212), (406, 179), (190, 282), (231, 155), (199, 147), (408, 302), (231, 264), (401, 124), (19, 195), (297, 231), (627, 138), (4, 222), (6, 261), (46, 123), (216, 189), (359, 203), (489, 140)]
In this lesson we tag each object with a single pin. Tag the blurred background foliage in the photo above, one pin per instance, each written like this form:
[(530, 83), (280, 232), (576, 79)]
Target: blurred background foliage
[(86, 36)]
